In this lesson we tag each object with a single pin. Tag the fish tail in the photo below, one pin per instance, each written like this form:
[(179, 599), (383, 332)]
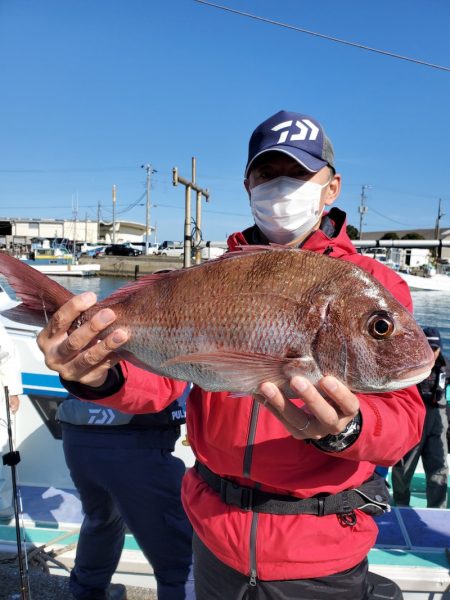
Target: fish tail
[(40, 295)]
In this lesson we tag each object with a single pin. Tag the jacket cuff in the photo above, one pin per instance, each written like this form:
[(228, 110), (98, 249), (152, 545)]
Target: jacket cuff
[(113, 384)]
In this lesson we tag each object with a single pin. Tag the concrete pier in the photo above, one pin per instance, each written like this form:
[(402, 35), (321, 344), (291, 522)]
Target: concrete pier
[(133, 266)]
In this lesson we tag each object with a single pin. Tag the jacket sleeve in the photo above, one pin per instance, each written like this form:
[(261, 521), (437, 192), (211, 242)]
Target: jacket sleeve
[(136, 391), (391, 425)]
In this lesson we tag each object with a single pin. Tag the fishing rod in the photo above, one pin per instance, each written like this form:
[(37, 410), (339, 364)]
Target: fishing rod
[(11, 459)]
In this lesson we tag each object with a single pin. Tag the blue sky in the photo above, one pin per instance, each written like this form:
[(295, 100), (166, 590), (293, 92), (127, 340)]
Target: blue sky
[(91, 90)]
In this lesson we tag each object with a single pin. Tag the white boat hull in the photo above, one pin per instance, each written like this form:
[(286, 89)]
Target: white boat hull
[(84, 270), (435, 283)]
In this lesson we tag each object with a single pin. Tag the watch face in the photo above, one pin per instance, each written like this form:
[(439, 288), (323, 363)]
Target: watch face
[(341, 441)]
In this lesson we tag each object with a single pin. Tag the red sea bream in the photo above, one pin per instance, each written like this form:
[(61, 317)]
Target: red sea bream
[(248, 317)]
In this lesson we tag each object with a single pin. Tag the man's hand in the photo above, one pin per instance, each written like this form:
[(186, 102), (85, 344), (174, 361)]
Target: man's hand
[(14, 403), (327, 410), (78, 357)]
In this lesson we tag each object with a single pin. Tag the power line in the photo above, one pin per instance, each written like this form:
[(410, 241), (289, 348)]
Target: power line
[(132, 205), (326, 37), (52, 206), (390, 219), (68, 170)]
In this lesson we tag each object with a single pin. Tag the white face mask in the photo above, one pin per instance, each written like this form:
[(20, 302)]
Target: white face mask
[(286, 208)]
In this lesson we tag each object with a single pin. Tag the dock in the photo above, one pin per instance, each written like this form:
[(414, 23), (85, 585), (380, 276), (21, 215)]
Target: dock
[(132, 266)]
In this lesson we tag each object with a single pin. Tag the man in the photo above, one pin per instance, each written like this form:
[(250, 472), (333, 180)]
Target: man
[(124, 470), (10, 376), (432, 447), (267, 500), (127, 476)]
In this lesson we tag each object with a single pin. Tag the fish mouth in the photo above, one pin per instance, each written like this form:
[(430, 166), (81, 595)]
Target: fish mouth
[(411, 377)]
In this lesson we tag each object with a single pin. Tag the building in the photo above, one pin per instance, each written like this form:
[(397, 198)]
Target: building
[(125, 231), (18, 233)]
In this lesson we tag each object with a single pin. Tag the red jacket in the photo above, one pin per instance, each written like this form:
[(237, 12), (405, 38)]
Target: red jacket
[(237, 438)]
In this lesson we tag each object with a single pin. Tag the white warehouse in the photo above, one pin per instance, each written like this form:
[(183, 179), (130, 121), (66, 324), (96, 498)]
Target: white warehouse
[(16, 232)]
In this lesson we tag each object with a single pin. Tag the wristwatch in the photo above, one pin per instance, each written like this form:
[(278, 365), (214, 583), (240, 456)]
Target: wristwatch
[(343, 440)]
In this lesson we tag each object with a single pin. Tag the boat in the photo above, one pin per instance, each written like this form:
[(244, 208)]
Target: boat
[(58, 261), (423, 278), (433, 283), (410, 549)]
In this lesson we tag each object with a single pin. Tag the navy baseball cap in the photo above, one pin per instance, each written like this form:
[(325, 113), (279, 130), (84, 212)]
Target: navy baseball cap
[(299, 136), (433, 336)]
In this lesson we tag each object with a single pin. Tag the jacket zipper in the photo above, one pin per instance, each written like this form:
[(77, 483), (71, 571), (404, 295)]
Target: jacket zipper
[(248, 455), (253, 571)]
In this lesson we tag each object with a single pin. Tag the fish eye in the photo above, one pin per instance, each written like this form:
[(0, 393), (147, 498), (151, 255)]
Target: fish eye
[(380, 325)]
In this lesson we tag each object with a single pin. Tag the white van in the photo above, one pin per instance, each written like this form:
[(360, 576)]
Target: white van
[(213, 249), (169, 248)]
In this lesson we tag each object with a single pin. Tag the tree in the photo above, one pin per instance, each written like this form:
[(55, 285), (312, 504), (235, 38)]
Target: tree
[(390, 235), (352, 232), (413, 236)]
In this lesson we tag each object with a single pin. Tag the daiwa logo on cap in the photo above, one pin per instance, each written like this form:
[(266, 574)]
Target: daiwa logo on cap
[(299, 136), (306, 131)]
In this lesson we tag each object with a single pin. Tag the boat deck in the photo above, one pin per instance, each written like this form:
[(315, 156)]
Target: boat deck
[(412, 546)]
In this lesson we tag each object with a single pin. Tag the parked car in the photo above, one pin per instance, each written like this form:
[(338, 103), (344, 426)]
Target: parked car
[(126, 249), (152, 247), (169, 248)]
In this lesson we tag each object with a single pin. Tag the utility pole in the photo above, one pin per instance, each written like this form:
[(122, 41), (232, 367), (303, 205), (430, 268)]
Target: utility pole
[(190, 185), (114, 214), (148, 230), (198, 217), (362, 209), (437, 231)]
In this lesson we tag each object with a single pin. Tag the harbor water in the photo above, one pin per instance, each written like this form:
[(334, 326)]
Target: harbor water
[(433, 309)]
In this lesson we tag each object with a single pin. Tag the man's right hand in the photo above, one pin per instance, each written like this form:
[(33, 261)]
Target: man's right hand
[(78, 357)]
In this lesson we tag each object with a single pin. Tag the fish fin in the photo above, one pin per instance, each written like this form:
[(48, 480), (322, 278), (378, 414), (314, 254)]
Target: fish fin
[(22, 314), (131, 358), (134, 286), (148, 280), (248, 249), (260, 247), (151, 279), (39, 293), (245, 371)]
